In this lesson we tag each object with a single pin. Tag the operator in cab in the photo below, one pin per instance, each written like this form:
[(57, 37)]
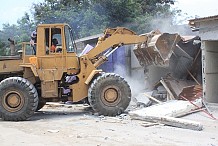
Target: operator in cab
[(54, 45)]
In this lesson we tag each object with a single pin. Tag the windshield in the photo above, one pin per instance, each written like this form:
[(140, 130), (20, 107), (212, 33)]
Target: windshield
[(70, 45)]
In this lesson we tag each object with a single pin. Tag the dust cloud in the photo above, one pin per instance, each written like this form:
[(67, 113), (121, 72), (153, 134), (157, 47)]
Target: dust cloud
[(137, 85), (166, 25)]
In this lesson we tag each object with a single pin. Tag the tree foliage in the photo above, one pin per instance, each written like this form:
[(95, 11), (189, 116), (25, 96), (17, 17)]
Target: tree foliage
[(2, 50), (89, 17)]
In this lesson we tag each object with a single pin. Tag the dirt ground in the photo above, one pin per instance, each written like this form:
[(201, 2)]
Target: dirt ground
[(77, 125)]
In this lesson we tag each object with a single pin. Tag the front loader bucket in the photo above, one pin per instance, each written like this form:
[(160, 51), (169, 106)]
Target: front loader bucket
[(157, 50)]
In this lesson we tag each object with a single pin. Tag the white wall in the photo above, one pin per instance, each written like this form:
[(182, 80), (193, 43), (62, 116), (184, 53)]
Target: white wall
[(210, 70)]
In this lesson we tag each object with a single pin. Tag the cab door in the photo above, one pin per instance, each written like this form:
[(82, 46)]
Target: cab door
[(53, 63), (72, 60)]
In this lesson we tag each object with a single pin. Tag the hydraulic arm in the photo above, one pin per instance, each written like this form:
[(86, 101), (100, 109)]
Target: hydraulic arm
[(151, 48)]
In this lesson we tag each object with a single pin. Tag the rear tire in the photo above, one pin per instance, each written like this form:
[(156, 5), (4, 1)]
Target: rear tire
[(18, 99), (109, 94)]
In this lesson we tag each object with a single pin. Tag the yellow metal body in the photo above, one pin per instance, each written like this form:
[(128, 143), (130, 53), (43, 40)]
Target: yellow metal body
[(48, 68)]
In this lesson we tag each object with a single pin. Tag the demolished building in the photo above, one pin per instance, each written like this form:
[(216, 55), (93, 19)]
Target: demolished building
[(182, 63)]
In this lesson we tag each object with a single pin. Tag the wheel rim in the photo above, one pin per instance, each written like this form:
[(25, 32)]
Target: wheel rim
[(111, 95), (13, 101)]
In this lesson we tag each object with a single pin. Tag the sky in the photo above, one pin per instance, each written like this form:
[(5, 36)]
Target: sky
[(12, 10), (199, 8)]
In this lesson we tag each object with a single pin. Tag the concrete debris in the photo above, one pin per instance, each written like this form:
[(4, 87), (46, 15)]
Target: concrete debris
[(122, 116), (171, 121), (169, 109), (160, 93), (142, 100), (102, 117), (172, 108), (57, 104)]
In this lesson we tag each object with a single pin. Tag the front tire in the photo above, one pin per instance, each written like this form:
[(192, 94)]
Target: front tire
[(18, 99), (41, 104), (109, 94)]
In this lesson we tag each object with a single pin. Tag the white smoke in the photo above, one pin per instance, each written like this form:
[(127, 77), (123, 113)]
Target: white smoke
[(137, 85), (165, 25)]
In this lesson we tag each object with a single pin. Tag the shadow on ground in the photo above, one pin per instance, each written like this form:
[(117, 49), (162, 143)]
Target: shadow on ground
[(48, 113)]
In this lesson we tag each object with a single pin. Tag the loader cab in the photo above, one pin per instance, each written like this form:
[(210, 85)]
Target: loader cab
[(54, 60), (47, 33)]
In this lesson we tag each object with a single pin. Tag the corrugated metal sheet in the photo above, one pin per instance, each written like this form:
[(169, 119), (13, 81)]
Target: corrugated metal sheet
[(117, 63), (192, 92), (185, 57), (193, 22)]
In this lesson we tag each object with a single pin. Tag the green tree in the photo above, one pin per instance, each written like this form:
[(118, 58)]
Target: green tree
[(89, 17), (2, 48), (19, 33), (25, 27)]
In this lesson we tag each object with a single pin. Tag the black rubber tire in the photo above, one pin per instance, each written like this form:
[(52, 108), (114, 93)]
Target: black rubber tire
[(18, 99), (41, 104), (98, 91)]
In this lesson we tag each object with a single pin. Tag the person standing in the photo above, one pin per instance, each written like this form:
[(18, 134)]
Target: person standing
[(33, 41)]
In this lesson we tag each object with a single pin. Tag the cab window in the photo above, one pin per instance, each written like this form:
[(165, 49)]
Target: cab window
[(53, 40), (69, 40)]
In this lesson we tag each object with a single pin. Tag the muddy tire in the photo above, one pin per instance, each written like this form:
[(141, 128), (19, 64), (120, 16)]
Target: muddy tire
[(18, 99), (109, 94)]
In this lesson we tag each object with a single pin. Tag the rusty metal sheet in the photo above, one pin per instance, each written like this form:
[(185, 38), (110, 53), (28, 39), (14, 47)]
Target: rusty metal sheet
[(192, 92), (177, 86)]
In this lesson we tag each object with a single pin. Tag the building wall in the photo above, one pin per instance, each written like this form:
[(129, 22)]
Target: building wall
[(118, 62), (210, 70), (208, 32)]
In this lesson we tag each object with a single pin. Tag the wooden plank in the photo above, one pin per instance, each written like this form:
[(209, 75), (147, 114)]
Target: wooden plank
[(168, 90), (152, 98)]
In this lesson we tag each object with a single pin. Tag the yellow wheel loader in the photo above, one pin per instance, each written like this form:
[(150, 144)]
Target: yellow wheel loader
[(31, 80)]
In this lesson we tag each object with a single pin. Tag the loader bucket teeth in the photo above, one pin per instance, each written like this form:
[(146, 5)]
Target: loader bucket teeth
[(157, 50)]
